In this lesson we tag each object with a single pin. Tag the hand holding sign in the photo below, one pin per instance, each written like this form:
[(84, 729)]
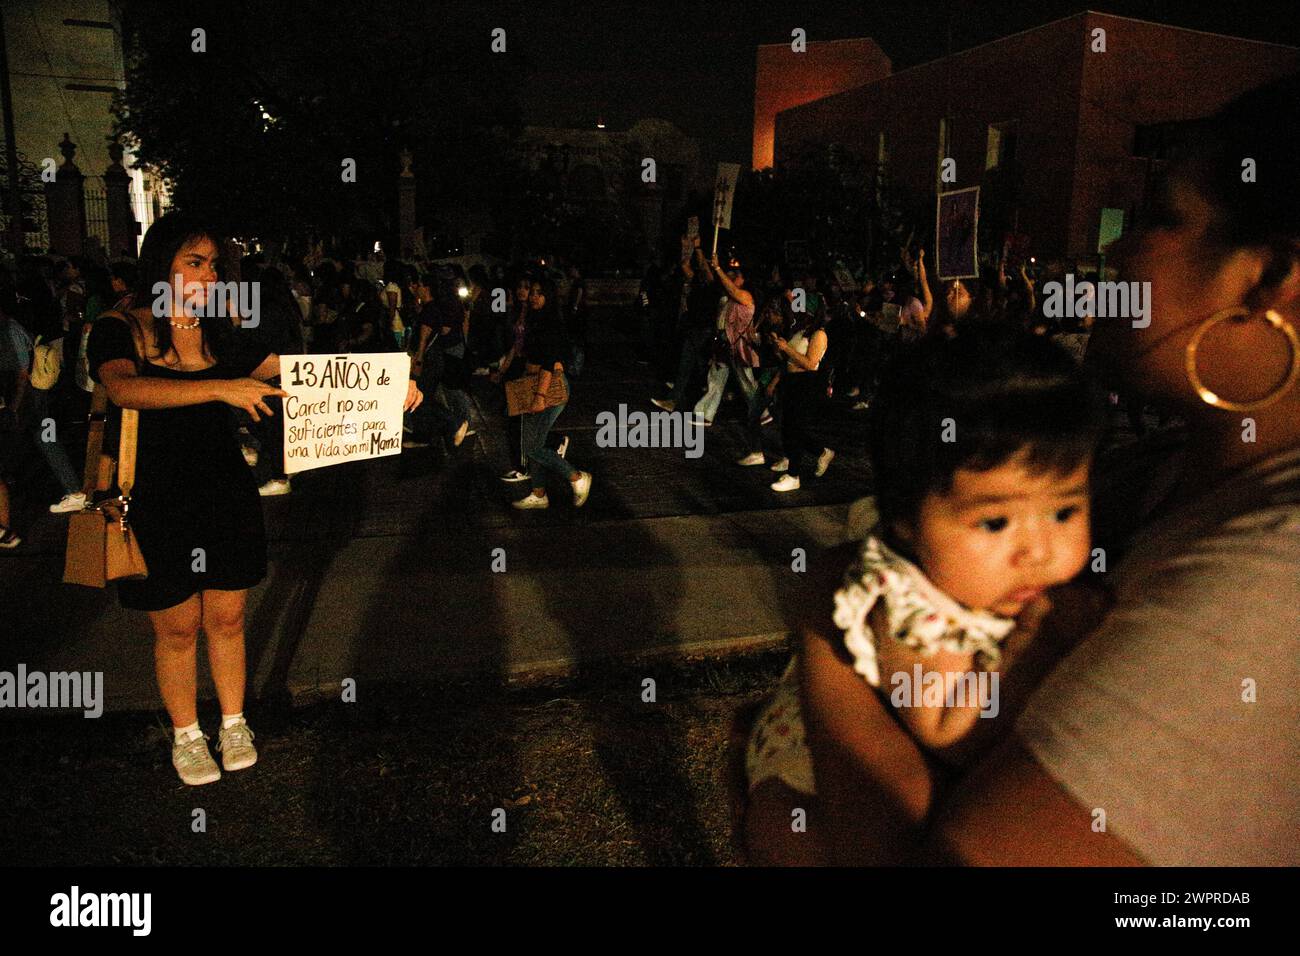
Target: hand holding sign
[(248, 394)]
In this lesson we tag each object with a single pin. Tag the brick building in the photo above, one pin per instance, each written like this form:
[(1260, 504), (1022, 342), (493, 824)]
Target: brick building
[(1053, 132), (784, 79)]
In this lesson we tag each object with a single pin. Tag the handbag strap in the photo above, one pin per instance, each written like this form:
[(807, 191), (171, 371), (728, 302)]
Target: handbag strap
[(94, 440), (95, 434)]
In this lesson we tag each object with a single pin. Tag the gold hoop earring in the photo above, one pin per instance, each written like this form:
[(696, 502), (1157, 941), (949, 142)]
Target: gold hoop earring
[(1211, 398)]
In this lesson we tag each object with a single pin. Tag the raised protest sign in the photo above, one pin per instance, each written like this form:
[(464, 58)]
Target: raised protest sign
[(342, 407), (957, 217), (724, 193)]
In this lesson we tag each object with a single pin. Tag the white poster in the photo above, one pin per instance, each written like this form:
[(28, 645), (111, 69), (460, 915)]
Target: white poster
[(724, 193), (342, 407)]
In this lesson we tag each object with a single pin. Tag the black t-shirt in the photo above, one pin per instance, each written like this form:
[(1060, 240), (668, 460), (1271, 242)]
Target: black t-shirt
[(545, 342)]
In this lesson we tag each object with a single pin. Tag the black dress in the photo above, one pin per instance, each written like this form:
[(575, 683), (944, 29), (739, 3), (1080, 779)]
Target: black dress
[(193, 489)]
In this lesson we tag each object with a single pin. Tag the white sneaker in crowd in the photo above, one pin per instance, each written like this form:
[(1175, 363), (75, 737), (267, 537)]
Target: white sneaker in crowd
[(532, 501), (753, 458), (73, 502), (780, 465), (515, 475), (193, 762), (276, 486), (786, 483), (581, 489), (236, 746), (824, 461)]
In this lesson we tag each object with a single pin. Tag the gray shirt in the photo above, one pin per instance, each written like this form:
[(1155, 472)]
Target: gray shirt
[(1180, 715)]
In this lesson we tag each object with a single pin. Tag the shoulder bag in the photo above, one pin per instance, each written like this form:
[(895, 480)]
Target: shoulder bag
[(101, 545)]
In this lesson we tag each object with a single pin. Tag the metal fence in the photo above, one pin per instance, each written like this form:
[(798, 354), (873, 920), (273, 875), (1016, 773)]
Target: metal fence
[(96, 201)]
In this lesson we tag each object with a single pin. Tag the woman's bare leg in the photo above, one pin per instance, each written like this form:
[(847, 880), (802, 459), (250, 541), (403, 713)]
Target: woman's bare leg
[(176, 633), (223, 623)]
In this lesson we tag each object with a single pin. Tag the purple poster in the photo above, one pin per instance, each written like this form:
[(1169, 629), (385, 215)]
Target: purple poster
[(957, 217)]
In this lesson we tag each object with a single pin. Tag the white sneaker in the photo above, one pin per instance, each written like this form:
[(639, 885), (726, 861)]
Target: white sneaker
[(780, 465), (581, 489), (753, 458), (194, 763), (786, 483), (515, 475), (73, 502), (532, 501), (276, 486), (824, 461), (236, 746)]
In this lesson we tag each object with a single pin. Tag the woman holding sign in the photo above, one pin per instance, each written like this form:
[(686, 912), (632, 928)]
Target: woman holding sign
[(195, 509)]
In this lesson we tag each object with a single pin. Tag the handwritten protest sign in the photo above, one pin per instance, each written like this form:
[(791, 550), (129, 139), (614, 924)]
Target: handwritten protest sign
[(957, 217), (342, 407)]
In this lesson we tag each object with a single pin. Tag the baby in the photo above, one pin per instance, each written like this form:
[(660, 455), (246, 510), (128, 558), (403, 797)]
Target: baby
[(981, 448)]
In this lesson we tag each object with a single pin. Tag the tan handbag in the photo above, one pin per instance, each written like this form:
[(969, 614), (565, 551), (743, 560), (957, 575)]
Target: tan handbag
[(521, 391), (101, 545)]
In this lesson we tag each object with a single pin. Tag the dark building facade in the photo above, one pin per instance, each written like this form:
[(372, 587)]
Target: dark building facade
[(1052, 127)]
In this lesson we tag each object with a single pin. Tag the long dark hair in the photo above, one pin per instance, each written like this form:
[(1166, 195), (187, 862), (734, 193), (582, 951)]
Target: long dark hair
[(165, 238), (1249, 213)]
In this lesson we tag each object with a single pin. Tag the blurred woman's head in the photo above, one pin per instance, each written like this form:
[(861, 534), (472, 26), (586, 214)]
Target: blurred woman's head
[(541, 297), (1218, 239)]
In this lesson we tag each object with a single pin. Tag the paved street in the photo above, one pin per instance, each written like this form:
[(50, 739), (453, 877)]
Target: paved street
[(382, 570)]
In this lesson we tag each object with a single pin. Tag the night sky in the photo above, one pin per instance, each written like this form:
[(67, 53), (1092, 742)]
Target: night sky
[(693, 63)]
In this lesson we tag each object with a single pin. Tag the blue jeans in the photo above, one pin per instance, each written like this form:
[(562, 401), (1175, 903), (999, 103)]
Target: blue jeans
[(708, 405), (691, 360), (52, 451), (538, 456)]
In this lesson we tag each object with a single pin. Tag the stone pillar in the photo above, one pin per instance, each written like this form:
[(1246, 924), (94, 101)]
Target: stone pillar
[(65, 204), (406, 207), (122, 227)]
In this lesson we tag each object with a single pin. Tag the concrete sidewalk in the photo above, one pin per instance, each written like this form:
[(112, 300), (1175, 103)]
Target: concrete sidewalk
[(414, 608)]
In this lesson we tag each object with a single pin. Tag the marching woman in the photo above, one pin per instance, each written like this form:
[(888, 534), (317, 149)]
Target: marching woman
[(545, 351), (195, 508), (803, 397)]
